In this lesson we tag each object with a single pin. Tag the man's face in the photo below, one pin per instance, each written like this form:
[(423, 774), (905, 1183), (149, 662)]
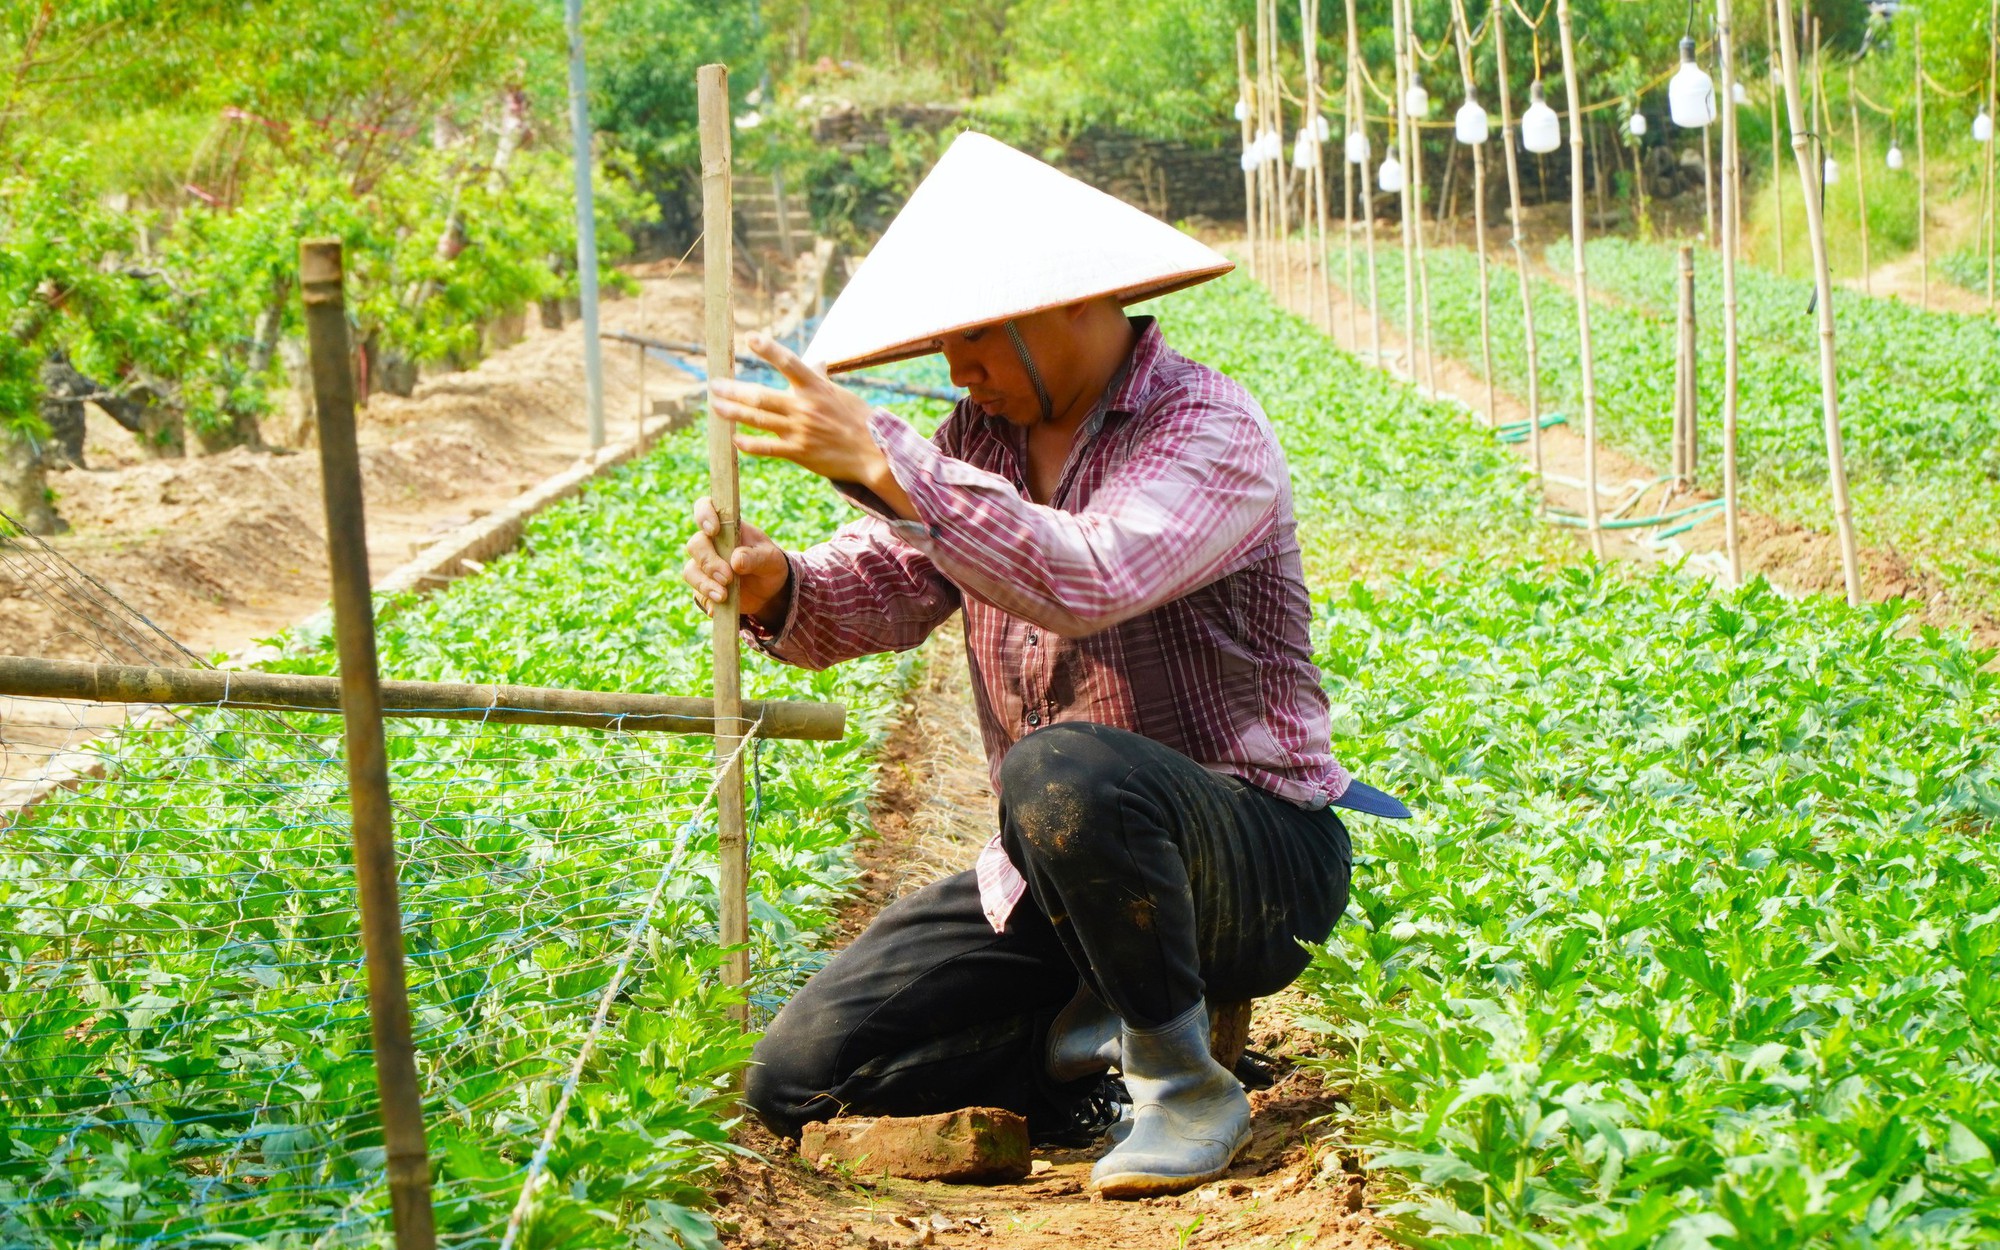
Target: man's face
[(984, 362)]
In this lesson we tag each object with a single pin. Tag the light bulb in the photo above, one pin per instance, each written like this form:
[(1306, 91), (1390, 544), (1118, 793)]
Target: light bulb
[(1270, 147), (1741, 96), (1250, 159), (1390, 176), (1416, 101), (1830, 173), (1305, 152), (1982, 127), (1321, 128), (1357, 147), (1242, 110), (1895, 157), (1471, 125), (1540, 131), (1637, 125), (1690, 96)]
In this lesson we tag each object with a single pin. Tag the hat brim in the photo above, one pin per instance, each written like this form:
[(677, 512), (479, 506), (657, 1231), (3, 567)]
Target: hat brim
[(1366, 799), (933, 343)]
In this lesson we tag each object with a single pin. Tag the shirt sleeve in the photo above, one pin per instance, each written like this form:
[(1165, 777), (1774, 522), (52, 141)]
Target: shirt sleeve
[(1200, 493), (860, 592)]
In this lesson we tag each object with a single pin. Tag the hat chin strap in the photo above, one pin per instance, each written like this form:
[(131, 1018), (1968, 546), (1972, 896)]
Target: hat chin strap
[(1034, 374)]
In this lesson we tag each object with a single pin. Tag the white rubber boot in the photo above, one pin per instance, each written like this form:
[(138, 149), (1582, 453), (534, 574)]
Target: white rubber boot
[(1189, 1113), (1084, 1039)]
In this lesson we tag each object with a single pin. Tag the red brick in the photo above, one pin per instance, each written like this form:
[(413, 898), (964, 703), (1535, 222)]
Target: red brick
[(978, 1145)]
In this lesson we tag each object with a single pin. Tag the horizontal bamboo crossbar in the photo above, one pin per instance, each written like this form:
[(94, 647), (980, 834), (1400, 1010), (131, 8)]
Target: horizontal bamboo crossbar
[(25, 677)]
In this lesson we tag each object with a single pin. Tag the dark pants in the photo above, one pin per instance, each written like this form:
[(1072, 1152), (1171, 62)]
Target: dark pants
[(1157, 881)]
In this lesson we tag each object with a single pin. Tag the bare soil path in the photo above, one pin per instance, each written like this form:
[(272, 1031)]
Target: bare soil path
[(1293, 1188)]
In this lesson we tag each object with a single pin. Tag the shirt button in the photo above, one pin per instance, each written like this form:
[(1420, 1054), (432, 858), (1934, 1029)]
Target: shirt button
[(1032, 637), (1034, 718)]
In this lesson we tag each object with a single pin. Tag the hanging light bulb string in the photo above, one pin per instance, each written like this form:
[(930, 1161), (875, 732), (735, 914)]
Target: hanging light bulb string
[(1938, 87)]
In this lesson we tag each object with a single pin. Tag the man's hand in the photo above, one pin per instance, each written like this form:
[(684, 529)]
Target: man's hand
[(757, 565), (817, 424)]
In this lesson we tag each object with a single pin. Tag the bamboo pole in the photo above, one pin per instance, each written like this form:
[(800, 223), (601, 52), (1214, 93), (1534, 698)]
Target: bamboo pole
[(1860, 184), (1347, 115), (1686, 412), (371, 819), (1404, 130), (1992, 85), (718, 232), (1359, 104), (1463, 33), (1732, 221), (22, 677), (1321, 214), (1591, 509), (1415, 158), (1923, 177), (586, 223), (1708, 188), (1829, 378), (1247, 95), (1499, 20), (1313, 197)]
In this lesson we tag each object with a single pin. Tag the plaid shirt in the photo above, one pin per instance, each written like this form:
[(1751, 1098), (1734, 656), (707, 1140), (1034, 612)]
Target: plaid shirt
[(1160, 591)]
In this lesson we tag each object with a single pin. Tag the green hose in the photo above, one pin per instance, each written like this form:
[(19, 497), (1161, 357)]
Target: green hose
[(1517, 431), (1637, 523)]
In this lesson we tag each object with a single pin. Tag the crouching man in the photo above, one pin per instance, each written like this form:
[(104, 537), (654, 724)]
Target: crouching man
[(1115, 522)]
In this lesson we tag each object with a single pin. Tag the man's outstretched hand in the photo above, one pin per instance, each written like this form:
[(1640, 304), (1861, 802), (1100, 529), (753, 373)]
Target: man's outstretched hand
[(757, 565), (816, 424)]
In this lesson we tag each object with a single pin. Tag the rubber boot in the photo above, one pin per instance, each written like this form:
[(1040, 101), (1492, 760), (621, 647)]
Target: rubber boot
[(1083, 1039), (1189, 1114)]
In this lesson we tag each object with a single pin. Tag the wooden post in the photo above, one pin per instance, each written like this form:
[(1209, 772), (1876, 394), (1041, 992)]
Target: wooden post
[(1499, 20), (1687, 392), (1415, 159), (1463, 34), (1829, 377), (1410, 222), (1591, 510), (1860, 184), (372, 821), (1247, 96), (1923, 177), (1358, 102), (718, 234), (1732, 224)]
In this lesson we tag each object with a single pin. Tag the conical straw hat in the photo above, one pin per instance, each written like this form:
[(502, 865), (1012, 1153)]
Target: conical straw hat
[(992, 233)]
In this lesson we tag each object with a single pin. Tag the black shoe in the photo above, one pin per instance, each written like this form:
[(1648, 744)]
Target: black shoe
[(1084, 1120)]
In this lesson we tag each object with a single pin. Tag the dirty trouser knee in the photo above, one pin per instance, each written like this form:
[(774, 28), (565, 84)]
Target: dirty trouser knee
[(928, 1010), (1164, 881)]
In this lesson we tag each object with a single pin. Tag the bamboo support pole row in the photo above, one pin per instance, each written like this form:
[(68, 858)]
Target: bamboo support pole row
[(1309, 16), (1463, 36), (1686, 442), (718, 235), (1358, 104), (1592, 509), (1507, 144), (1405, 134), (1414, 159), (371, 818), (1732, 223), (1246, 107), (1823, 289), (81, 680), (1992, 110)]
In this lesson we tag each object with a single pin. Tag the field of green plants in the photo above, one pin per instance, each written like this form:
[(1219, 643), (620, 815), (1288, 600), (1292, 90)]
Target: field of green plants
[(186, 1054), (1921, 433), (1695, 938), (1694, 941)]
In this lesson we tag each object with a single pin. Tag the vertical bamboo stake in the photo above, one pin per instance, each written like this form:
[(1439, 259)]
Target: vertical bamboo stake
[(1708, 188), (1247, 94), (1992, 85), (1463, 34), (1860, 184), (1416, 165), (1499, 20), (1685, 390), (1319, 144), (1404, 130), (1347, 120), (1923, 178), (371, 819), (1732, 222), (1829, 378), (586, 224), (718, 264), (1359, 103), (1591, 510)]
